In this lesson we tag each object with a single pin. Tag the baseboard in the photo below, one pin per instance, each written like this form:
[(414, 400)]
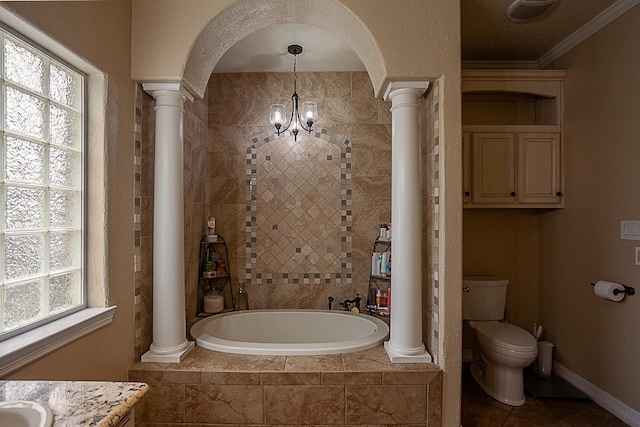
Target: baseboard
[(602, 398)]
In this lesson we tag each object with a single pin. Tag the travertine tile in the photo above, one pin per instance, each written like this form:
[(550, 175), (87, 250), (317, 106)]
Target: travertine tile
[(361, 85), (244, 362), (384, 112), (351, 378), (312, 86), (209, 361), (434, 402), (331, 362), (233, 404), (347, 110), (373, 359), (231, 378), (394, 404), (164, 376), (304, 405), (410, 377), (162, 403), (291, 378)]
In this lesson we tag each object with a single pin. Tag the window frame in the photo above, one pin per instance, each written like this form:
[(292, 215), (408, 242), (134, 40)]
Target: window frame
[(82, 109), (31, 345)]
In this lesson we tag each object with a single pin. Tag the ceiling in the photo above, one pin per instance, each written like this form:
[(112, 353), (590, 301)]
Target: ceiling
[(487, 35), (266, 51)]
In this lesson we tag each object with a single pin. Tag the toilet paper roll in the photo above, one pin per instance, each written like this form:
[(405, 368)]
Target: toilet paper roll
[(604, 289)]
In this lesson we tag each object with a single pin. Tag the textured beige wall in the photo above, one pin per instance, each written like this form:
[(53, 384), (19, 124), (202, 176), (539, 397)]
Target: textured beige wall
[(100, 33), (581, 243), (504, 243), (166, 33)]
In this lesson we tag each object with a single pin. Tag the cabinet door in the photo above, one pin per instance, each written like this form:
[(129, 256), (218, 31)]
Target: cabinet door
[(539, 168), (493, 179), (466, 167)]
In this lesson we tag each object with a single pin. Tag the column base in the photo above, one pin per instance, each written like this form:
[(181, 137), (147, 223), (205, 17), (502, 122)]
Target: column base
[(172, 357), (423, 357)]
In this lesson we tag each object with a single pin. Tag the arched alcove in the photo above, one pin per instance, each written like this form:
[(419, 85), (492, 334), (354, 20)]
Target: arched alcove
[(247, 16)]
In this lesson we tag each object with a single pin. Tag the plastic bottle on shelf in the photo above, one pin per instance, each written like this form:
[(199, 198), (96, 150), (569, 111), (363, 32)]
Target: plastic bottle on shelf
[(242, 298)]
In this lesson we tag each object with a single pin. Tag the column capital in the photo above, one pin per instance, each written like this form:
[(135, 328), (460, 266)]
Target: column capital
[(417, 87), (153, 88)]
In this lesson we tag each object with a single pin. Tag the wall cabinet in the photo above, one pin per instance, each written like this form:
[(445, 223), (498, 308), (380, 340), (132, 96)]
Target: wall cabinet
[(512, 139), (512, 169)]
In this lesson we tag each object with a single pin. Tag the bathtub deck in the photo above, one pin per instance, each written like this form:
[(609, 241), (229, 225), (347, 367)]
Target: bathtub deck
[(219, 389)]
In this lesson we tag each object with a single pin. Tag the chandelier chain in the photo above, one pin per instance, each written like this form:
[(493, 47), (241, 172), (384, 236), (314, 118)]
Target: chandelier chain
[(295, 75)]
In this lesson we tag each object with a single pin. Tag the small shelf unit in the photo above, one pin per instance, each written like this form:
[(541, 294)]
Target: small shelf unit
[(213, 248), (380, 282)]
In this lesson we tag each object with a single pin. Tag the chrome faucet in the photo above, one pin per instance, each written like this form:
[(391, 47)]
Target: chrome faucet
[(331, 299)]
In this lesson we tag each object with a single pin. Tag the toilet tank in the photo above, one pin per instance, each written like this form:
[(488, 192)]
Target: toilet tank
[(483, 298)]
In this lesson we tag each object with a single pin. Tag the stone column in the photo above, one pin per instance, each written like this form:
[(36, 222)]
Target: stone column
[(170, 344), (405, 343)]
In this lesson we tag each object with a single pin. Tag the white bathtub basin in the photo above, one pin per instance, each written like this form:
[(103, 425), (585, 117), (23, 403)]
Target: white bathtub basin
[(289, 332), (22, 413)]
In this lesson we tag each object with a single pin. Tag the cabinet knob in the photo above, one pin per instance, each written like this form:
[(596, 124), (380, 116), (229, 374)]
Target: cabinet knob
[(513, 193), (467, 193), (559, 194)]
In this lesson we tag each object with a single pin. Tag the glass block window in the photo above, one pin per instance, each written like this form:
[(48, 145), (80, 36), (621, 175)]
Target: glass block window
[(41, 187)]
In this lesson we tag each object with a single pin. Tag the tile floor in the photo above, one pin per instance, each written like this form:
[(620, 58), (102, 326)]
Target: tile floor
[(480, 410)]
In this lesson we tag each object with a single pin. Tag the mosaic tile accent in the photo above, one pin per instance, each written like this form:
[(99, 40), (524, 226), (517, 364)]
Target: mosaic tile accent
[(435, 335), (137, 211), (298, 209)]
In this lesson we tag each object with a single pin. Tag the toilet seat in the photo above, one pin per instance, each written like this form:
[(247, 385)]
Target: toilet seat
[(506, 337)]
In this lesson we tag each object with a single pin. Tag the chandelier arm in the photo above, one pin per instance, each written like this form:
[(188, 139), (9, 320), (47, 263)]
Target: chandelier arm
[(294, 110)]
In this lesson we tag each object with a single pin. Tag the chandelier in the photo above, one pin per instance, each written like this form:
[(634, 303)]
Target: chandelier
[(300, 118)]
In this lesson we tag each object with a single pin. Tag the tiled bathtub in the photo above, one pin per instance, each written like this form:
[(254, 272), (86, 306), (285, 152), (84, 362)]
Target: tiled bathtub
[(219, 389)]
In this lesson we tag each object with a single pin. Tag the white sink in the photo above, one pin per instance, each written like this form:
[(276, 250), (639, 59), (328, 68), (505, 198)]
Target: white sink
[(22, 413)]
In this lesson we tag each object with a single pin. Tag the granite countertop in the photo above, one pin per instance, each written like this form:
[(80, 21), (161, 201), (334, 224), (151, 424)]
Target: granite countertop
[(78, 403)]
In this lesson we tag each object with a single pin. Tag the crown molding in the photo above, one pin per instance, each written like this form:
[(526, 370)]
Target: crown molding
[(591, 27), (500, 65), (607, 16)]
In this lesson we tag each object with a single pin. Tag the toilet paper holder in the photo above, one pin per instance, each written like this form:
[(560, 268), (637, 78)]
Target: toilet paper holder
[(627, 290)]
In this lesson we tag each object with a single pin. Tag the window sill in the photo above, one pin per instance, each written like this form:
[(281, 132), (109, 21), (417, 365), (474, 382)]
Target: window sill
[(25, 348)]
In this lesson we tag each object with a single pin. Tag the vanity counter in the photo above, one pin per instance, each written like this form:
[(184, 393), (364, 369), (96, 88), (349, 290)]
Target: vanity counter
[(79, 403)]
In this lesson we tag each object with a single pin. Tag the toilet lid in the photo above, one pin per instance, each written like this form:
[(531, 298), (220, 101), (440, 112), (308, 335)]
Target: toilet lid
[(507, 336)]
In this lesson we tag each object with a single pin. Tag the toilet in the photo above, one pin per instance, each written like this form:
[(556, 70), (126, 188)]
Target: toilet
[(501, 350)]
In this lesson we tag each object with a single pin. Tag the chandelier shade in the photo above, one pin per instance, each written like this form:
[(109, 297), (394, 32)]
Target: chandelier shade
[(302, 116)]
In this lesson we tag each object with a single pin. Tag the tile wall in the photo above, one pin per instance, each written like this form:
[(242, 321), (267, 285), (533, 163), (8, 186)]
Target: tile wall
[(300, 217), (219, 389), (429, 143)]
